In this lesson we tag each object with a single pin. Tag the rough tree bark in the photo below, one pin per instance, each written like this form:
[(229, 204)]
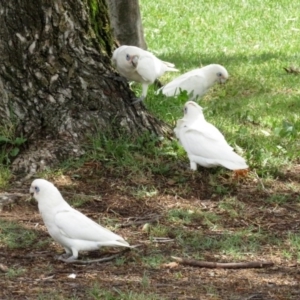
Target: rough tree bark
[(56, 80), (126, 22)]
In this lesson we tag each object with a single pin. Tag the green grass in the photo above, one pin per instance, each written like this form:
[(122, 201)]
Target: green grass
[(79, 200), (154, 260), (258, 110), (143, 192), (14, 236), (97, 293), (5, 175), (292, 249), (232, 206), (50, 295), (14, 272), (10, 143), (254, 40)]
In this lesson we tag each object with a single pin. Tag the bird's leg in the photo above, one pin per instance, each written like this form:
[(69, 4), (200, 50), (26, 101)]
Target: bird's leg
[(144, 93), (65, 255), (67, 260), (69, 256), (193, 166)]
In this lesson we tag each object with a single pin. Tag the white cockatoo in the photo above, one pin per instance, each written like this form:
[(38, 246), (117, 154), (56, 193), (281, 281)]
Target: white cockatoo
[(69, 227), (196, 82), (204, 143), (136, 64)]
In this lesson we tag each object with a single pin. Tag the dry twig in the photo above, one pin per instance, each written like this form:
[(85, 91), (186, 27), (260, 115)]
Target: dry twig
[(162, 240), (260, 181)]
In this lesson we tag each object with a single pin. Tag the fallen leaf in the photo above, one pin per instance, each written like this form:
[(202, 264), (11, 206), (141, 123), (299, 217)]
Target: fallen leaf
[(3, 268), (146, 227), (240, 173), (170, 265), (171, 182)]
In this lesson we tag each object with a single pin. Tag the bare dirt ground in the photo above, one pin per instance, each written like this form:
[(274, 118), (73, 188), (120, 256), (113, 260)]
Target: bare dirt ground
[(44, 277)]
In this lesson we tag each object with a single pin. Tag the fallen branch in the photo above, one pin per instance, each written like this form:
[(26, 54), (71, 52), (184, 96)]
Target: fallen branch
[(215, 265)]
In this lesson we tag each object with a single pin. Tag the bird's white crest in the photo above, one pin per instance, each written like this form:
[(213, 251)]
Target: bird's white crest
[(69, 227), (136, 64), (204, 143), (196, 82)]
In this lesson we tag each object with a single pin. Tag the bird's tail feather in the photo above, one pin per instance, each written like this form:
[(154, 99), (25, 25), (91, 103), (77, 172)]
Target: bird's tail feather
[(119, 243), (171, 67), (168, 64)]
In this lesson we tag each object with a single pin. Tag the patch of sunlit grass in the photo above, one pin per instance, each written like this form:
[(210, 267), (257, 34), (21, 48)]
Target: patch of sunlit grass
[(258, 108)]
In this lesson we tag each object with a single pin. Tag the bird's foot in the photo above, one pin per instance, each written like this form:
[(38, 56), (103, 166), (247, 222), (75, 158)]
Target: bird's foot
[(67, 258), (193, 166), (137, 100)]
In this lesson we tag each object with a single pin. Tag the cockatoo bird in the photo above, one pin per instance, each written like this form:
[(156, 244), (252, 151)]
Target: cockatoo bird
[(204, 143), (136, 64), (69, 227), (196, 82)]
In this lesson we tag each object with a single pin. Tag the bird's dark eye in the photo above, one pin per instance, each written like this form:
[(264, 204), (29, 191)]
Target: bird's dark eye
[(37, 189), (219, 74), (127, 57), (185, 110)]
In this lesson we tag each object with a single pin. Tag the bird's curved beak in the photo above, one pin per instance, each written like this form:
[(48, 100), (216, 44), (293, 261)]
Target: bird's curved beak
[(134, 60), (223, 80), (31, 190)]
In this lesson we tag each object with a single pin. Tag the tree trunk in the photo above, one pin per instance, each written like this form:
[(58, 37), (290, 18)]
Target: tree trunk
[(126, 22), (56, 80)]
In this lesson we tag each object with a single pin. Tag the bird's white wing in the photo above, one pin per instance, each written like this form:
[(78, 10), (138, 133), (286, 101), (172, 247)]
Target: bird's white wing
[(208, 130), (146, 68), (75, 225), (209, 152), (205, 143), (191, 82)]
